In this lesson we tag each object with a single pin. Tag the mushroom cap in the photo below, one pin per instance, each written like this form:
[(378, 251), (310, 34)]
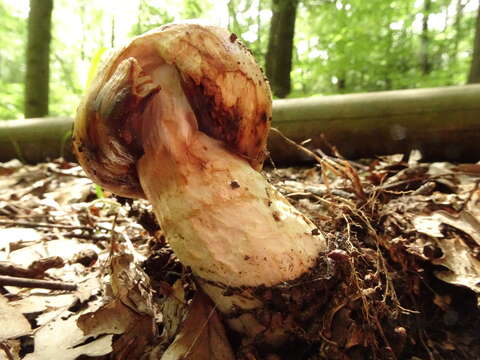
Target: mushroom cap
[(226, 89)]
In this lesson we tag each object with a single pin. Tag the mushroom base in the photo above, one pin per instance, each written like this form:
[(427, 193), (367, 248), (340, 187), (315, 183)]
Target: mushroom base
[(279, 314)]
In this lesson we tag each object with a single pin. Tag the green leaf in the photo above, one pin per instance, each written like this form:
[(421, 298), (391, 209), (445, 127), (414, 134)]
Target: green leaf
[(99, 192), (94, 65)]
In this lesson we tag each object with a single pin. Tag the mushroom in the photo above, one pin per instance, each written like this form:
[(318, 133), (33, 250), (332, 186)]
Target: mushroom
[(180, 116)]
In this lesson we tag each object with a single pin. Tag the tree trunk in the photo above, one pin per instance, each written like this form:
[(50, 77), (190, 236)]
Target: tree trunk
[(425, 64), (442, 123), (457, 25), (474, 76), (278, 61), (38, 62)]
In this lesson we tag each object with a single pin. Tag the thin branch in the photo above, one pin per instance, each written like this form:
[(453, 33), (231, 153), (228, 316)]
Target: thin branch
[(45, 225), (36, 284)]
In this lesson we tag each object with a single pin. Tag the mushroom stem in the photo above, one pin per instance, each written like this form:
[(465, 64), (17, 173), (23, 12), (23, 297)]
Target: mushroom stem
[(220, 216)]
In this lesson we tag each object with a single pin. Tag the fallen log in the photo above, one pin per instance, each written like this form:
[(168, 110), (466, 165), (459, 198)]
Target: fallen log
[(443, 123), (36, 140)]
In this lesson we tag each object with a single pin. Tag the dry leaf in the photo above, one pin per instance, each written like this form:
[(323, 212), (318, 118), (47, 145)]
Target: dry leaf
[(116, 318), (13, 323), (111, 318), (458, 258), (18, 235), (63, 248), (202, 336), (174, 309), (62, 337), (429, 225), (130, 284), (39, 302)]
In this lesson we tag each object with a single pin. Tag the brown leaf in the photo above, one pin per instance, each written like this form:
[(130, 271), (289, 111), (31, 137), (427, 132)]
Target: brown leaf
[(464, 268), (111, 318), (130, 284), (14, 324), (202, 336), (62, 337), (472, 169), (173, 309), (116, 318), (464, 221)]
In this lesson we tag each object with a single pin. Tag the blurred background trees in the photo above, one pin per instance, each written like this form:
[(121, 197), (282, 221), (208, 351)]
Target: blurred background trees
[(474, 75), (332, 46), (38, 58)]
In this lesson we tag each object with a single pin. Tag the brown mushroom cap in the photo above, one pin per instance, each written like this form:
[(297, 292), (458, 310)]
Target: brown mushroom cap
[(225, 88)]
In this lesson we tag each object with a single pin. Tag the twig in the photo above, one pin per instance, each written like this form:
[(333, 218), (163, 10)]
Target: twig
[(45, 225), (337, 166), (299, 147), (6, 350), (35, 270), (37, 284)]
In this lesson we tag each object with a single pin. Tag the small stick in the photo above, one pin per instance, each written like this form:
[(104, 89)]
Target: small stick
[(6, 350), (34, 283), (44, 225)]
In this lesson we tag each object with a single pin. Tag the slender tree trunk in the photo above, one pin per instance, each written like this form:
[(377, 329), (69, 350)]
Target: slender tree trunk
[(341, 84), (278, 61), (425, 64), (457, 25), (474, 76), (259, 26), (38, 62), (84, 26), (112, 35)]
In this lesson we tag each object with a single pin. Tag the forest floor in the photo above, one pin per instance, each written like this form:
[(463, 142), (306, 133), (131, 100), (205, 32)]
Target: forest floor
[(94, 275)]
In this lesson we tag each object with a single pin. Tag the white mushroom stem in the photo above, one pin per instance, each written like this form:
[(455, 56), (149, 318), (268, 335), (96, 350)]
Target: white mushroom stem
[(220, 216)]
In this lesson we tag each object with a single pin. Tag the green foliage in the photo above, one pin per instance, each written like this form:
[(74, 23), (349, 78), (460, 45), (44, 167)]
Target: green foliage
[(355, 46), (150, 17), (94, 65), (12, 61), (99, 192), (341, 46), (250, 20)]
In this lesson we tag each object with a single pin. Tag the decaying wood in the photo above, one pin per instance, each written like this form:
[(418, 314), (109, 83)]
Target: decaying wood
[(442, 123)]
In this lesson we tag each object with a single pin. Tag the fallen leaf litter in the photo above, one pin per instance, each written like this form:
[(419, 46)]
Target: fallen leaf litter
[(405, 233)]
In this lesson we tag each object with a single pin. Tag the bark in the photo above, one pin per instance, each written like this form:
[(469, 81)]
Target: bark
[(35, 140), (38, 63), (278, 61), (442, 122), (457, 25), (474, 76), (425, 63)]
